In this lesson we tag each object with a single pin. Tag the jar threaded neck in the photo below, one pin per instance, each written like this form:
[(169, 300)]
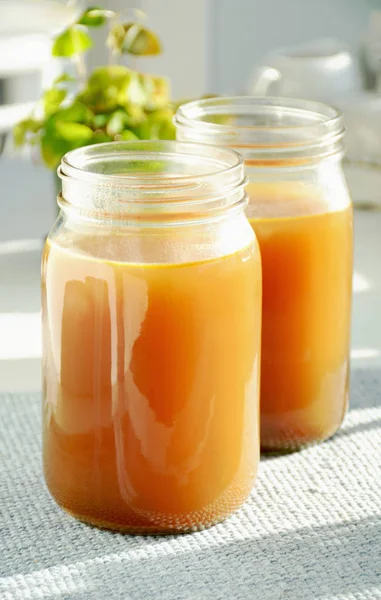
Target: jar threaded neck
[(269, 132), (152, 181)]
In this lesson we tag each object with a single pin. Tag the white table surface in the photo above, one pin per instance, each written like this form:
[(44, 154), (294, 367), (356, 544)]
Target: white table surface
[(20, 333)]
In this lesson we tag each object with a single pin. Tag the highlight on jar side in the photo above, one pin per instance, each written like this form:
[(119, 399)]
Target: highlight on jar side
[(151, 293), (301, 212)]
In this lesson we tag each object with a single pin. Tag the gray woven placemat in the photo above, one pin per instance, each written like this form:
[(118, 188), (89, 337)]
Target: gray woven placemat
[(311, 529)]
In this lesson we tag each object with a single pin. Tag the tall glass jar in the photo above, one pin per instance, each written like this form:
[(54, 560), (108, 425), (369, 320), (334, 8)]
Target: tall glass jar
[(151, 291), (301, 212)]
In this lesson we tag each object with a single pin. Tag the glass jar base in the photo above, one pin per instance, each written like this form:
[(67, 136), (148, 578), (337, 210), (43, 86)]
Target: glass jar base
[(124, 518), (153, 530), (281, 444)]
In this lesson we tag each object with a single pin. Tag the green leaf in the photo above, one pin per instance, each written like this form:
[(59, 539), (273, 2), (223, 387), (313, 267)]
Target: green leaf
[(74, 132), (73, 40), (100, 120), (126, 135), (149, 130), (93, 17), (52, 100), (103, 87), (167, 130), (132, 92), (158, 126), (157, 91), (103, 77), (64, 78), (110, 88), (140, 41), (131, 115), (134, 114), (116, 123), (115, 38), (100, 137), (77, 113), (50, 155), (60, 137), (134, 38), (21, 130)]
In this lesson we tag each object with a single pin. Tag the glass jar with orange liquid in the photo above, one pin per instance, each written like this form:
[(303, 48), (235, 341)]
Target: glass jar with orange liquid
[(151, 292), (301, 212)]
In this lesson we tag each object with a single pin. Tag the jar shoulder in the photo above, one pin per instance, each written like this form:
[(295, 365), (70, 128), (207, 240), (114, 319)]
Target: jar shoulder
[(145, 245), (297, 193)]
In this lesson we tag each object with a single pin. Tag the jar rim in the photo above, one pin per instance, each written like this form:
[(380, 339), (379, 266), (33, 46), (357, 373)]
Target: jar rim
[(190, 112), (75, 163), (148, 179), (282, 127)]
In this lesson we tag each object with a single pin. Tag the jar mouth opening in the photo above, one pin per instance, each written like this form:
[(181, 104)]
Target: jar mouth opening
[(263, 123), (151, 164), (257, 113), (152, 179)]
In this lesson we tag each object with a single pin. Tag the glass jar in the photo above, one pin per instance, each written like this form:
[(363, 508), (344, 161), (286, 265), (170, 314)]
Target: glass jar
[(151, 339), (301, 212)]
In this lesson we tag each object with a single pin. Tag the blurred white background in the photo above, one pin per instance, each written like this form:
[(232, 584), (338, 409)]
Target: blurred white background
[(210, 46)]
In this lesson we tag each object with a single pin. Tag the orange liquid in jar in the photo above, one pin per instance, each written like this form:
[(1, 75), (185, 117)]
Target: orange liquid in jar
[(151, 379), (307, 288)]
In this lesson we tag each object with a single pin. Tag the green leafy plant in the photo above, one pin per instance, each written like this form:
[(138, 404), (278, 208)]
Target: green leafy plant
[(114, 102)]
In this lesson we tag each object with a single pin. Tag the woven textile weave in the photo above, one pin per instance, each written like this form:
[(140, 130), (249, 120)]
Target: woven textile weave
[(310, 530)]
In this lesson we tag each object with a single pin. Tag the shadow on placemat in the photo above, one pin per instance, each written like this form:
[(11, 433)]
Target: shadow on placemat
[(311, 529), (334, 561)]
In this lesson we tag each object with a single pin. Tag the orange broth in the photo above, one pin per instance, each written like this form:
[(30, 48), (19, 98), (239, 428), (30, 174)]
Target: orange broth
[(150, 374), (307, 289)]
